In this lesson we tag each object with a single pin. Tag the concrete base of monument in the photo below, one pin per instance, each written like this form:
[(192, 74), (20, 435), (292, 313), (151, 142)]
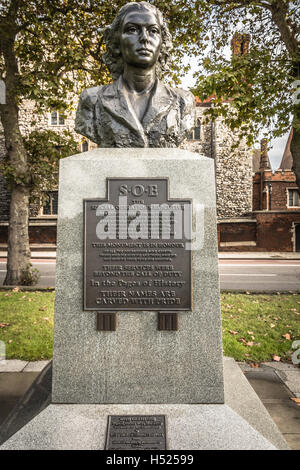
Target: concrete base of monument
[(241, 423)]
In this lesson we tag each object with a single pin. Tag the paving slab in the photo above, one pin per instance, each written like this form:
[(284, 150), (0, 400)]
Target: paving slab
[(13, 385), (12, 365), (282, 366), (14, 413), (241, 397), (286, 416), (291, 379), (267, 384)]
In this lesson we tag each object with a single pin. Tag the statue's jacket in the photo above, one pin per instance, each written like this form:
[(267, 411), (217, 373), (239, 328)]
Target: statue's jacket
[(105, 116)]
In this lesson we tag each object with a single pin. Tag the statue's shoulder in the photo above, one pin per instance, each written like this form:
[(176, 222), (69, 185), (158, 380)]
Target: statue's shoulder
[(90, 96), (186, 96)]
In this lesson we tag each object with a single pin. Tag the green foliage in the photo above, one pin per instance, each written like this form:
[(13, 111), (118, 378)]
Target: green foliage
[(258, 85), (44, 150), (59, 46)]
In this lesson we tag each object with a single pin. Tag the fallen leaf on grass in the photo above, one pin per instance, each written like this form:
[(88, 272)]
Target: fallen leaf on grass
[(232, 332), (249, 343), (7, 295), (30, 299), (272, 325), (3, 325), (250, 332), (276, 358), (254, 365), (287, 336), (248, 293), (10, 341), (42, 308), (46, 318), (242, 340), (16, 289)]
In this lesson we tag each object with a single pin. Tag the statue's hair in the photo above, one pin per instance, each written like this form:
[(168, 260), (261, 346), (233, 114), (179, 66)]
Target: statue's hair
[(113, 58)]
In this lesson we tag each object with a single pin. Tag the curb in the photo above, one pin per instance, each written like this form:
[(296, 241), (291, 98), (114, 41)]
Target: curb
[(17, 365)]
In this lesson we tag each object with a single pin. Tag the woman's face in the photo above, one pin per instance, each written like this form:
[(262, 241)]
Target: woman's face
[(140, 39)]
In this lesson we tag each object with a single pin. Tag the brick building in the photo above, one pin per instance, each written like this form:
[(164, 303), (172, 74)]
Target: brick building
[(274, 223)]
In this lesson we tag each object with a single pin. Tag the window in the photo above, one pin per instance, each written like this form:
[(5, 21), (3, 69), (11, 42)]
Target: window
[(84, 146), (57, 118), (196, 133), (51, 204), (197, 130), (293, 198)]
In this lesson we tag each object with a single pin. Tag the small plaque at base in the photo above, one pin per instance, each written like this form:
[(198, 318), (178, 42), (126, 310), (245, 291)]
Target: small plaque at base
[(136, 432)]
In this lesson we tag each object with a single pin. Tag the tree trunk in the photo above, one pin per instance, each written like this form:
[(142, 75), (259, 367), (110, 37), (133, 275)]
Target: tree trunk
[(18, 255)]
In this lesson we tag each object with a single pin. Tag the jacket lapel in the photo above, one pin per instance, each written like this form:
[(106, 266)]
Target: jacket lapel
[(115, 101), (160, 103)]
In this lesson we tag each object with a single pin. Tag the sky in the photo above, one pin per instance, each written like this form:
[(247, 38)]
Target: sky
[(277, 145)]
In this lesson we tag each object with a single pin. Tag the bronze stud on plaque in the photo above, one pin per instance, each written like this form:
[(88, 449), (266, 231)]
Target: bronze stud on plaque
[(168, 321), (107, 321)]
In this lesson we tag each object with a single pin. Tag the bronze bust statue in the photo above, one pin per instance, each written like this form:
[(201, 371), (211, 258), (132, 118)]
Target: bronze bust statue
[(137, 109)]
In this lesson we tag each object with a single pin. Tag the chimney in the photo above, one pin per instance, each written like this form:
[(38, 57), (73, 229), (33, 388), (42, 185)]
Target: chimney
[(240, 44), (264, 157)]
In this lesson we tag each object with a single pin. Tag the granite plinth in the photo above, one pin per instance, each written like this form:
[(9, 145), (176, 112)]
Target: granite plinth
[(137, 363), (243, 423), (192, 427)]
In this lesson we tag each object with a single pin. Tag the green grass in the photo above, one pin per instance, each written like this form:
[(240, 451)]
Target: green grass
[(259, 320), (29, 335)]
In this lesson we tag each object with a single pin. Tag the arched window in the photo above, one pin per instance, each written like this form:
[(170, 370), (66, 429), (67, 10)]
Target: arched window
[(197, 130), (85, 146)]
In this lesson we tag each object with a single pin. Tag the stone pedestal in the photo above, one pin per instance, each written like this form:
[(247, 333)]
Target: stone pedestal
[(137, 369), (137, 363)]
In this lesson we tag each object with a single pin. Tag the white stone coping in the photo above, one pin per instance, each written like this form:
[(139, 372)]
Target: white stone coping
[(16, 365)]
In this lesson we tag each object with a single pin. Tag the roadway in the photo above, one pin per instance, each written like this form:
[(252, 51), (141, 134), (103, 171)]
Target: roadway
[(235, 274)]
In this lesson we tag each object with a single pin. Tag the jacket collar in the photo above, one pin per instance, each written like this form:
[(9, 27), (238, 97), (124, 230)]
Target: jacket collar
[(116, 102)]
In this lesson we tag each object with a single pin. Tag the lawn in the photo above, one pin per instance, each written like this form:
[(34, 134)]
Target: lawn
[(26, 324), (255, 327)]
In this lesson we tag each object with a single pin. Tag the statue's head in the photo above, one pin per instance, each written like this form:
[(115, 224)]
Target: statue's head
[(139, 36)]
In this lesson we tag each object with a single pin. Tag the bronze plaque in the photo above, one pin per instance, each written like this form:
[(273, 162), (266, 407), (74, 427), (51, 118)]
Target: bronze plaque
[(136, 432), (136, 248)]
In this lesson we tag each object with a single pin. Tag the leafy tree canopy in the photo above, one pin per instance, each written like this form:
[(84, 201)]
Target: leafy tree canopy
[(260, 85)]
